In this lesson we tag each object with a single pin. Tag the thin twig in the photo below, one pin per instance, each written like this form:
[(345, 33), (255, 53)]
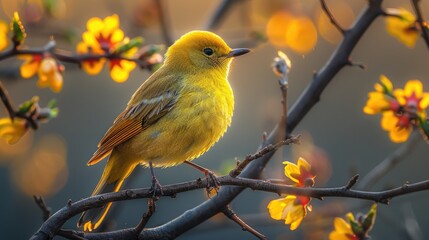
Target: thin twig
[(148, 214), (420, 21), (6, 101), (389, 162), (269, 148), (220, 13), (165, 29), (234, 217), (331, 17), (45, 210)]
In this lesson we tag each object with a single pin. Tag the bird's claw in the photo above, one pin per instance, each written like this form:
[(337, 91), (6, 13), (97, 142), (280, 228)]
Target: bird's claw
[(156, 189), (212, 182)]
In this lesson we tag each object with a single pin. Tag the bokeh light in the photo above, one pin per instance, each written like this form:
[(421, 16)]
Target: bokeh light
[(277, 27), (296, 32), (9, 152), (45, 171), (343, 14)]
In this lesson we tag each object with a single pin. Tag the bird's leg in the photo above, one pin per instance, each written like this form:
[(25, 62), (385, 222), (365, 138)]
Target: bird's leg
[(156, 187), (212, 181)]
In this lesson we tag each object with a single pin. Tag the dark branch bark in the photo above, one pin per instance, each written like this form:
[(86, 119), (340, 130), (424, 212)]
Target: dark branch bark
[(50, 227)]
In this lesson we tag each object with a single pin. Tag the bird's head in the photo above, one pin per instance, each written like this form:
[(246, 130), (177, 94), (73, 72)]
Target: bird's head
[(201, 50)]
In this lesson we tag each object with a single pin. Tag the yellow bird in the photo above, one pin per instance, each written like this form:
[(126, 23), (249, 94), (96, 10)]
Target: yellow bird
[(176, 115)]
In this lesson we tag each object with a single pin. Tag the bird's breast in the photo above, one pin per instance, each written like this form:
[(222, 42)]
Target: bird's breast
[(199, 118)]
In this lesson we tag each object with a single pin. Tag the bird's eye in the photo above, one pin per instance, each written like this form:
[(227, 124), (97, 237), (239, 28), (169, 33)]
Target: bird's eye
[(208, 51)]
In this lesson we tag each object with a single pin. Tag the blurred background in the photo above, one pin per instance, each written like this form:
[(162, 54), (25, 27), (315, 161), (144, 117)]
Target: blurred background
[(338, 138)]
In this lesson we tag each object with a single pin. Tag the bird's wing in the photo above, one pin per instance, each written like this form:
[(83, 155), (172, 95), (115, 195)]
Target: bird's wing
[(155, 98)]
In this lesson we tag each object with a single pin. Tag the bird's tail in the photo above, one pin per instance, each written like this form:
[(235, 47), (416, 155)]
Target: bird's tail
[(113, 176)]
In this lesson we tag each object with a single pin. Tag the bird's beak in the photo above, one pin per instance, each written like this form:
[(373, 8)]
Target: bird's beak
[(237, 52)]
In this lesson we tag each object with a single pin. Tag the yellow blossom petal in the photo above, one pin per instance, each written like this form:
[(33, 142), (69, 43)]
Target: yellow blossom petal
[(304, 164), (376, 103), (342, 226), (413, 87), (50, 75), (386, 82), (90, 40), (110, 24), (120, 73), (4, 40), (400, 96), (117, 36), (399, 135), (287, 209), (424, 102), (276, 207), (29, 68), (291, 169), (402, 27), (389, 121), (12, 131), (95, 25), (338, 236)]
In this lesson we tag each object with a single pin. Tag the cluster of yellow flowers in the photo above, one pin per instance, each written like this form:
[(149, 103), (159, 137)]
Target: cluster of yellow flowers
[(292, 209), (104, 36), (402, 109)]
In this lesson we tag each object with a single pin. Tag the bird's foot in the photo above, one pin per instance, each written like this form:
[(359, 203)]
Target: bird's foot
[(156, 189), (213, 183)]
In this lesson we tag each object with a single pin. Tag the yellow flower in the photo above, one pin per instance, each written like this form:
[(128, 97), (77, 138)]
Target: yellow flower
[(402, 109), (402, 26), (91, 66), (4, 40), (31, 65), (50, 74), (412, 96), (299, 173), (354, 229), (343, 230), (104, 36), (13, 130), (291, 209), (120, 69), (380, 100)]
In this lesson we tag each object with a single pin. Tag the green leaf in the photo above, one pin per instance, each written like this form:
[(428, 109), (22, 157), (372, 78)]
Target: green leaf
[(369, 220), (356, 228), (424, 127), (135, 42), (18, 30), (27, 106), (52, 104)]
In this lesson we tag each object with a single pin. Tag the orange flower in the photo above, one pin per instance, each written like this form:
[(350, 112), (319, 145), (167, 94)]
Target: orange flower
[(4, 40), (103, 36), (48, 69), (402, 26), (13, 130), (292, 209)]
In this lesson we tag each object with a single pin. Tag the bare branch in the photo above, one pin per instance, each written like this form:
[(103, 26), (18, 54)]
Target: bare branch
[(331, 17), (220, 13), (165, 29), (234, 217), (269, 148), (420, 21), (150, 210), (6, 101), (389, 162)]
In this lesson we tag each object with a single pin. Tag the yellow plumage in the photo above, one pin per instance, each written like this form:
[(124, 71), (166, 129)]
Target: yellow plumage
[(176, 115)]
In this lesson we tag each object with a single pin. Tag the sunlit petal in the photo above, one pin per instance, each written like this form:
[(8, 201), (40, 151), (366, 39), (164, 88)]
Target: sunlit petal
[(413, 87), (389, 121)]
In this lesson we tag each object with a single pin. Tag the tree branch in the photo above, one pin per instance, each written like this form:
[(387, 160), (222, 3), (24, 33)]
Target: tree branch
[(234, 217), (331, 17), (389, 162), (54, 223), (420, 21)]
